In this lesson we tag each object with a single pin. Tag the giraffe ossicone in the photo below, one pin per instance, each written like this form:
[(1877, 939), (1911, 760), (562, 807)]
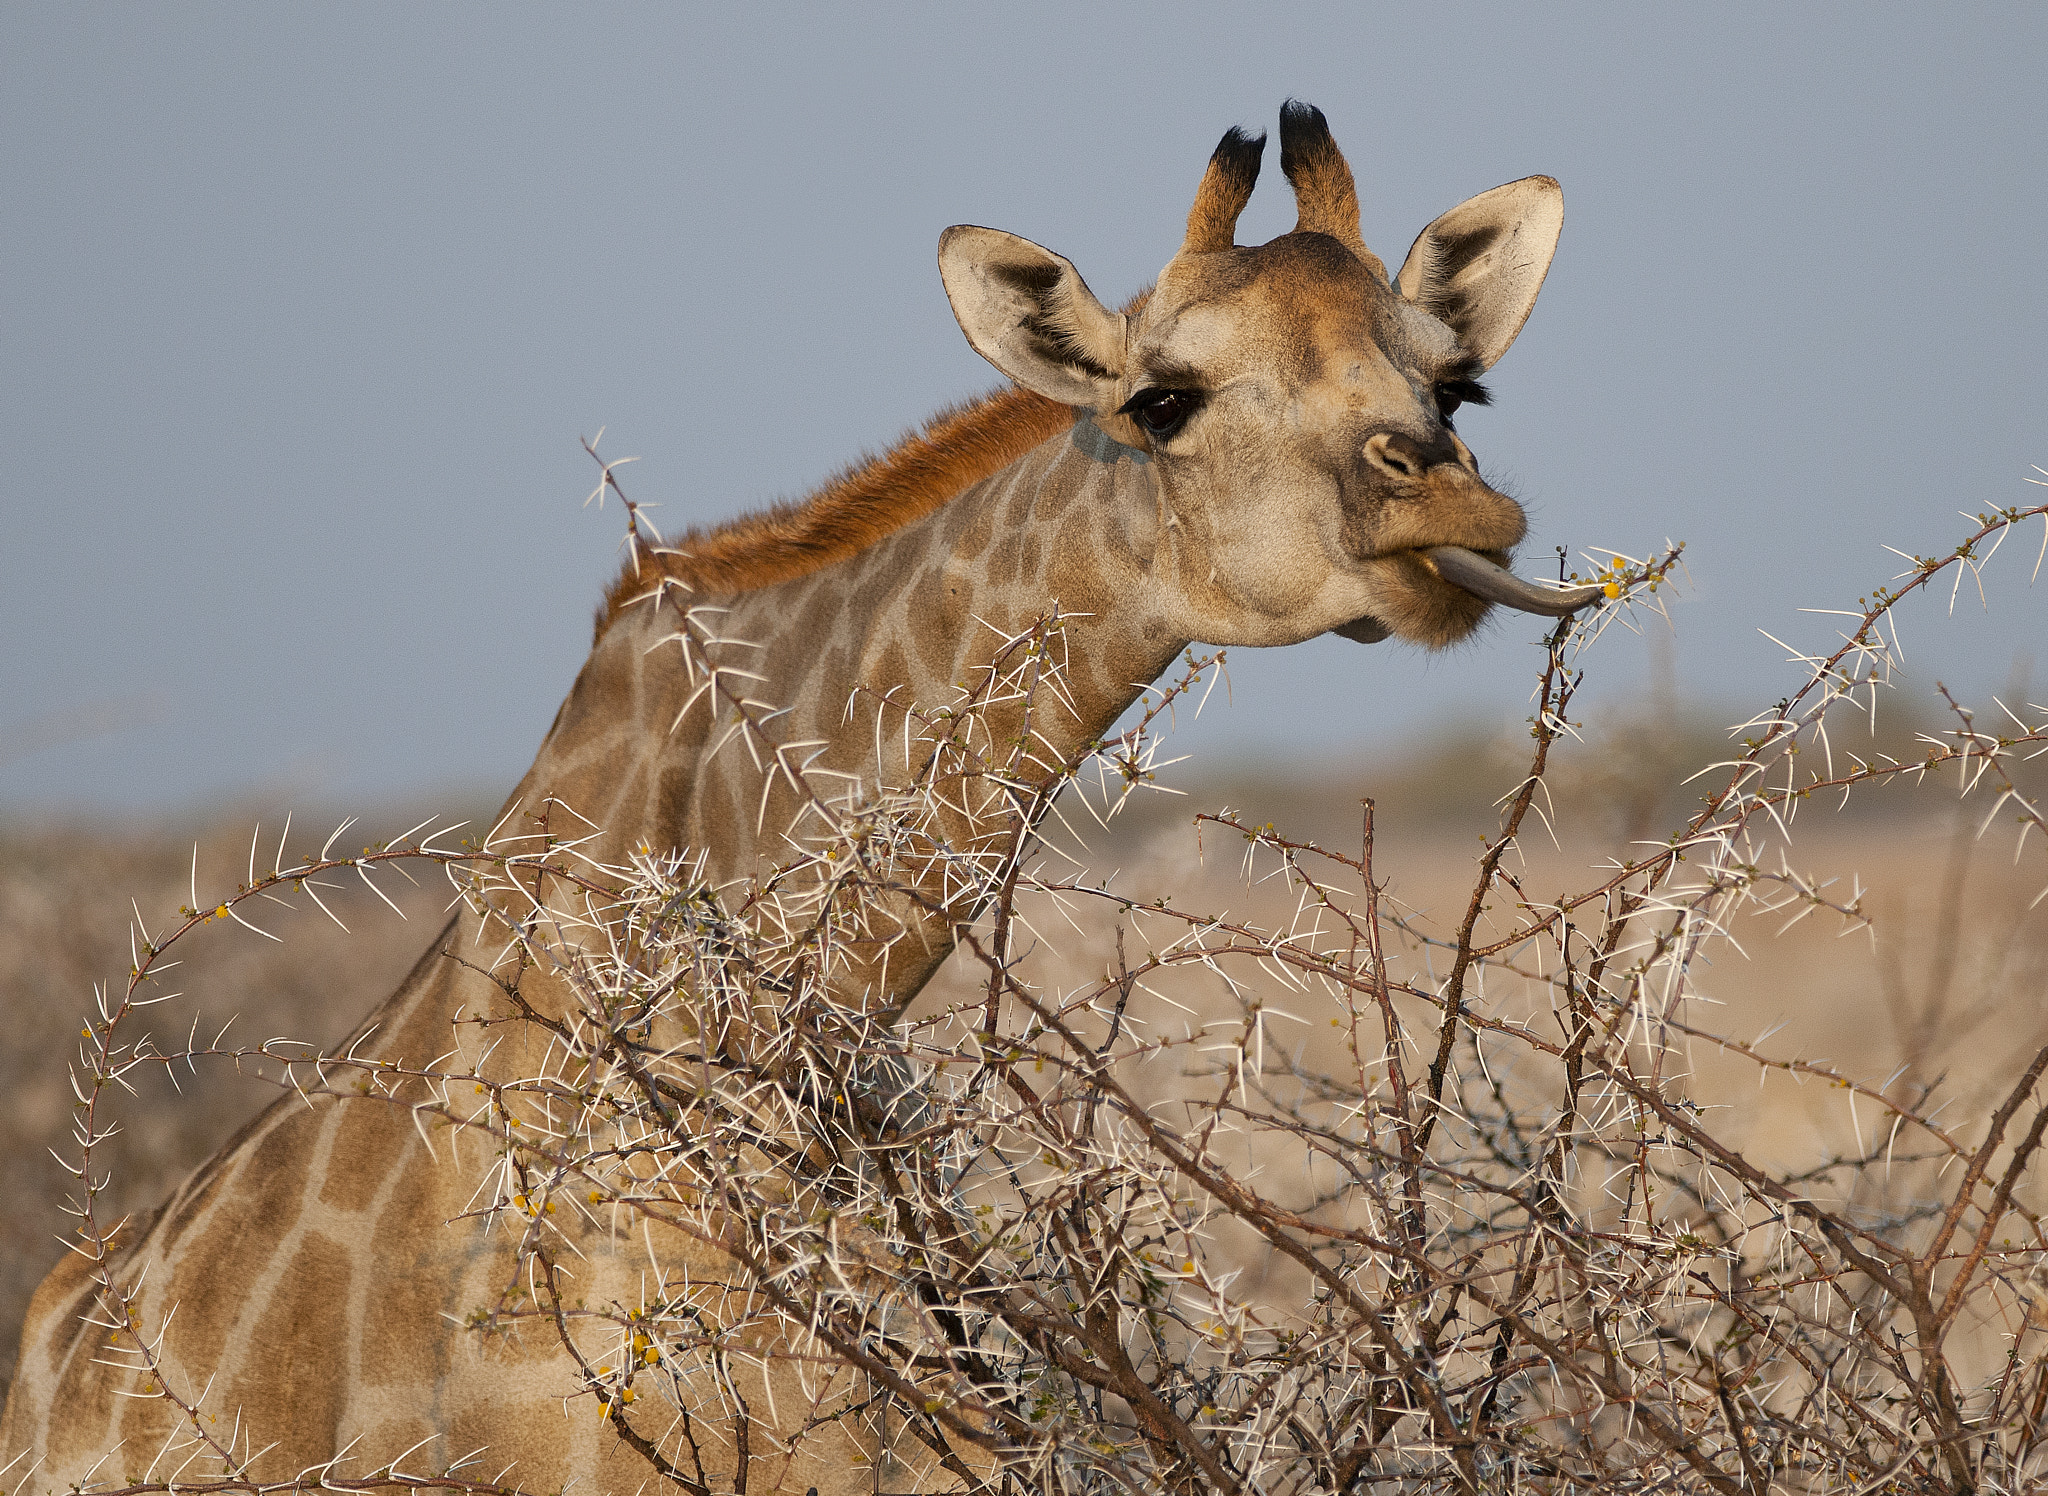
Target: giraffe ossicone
[(1258, 450)]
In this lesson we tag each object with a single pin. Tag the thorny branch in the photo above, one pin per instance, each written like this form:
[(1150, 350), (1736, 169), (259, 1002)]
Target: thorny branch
[(1507, 1261)]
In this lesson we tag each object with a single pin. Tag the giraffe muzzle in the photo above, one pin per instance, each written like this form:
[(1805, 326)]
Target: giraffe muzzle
[(1482, 578)]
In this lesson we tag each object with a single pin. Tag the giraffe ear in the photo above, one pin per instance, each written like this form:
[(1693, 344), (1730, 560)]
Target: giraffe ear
[(1027, 311), (1478, 268)]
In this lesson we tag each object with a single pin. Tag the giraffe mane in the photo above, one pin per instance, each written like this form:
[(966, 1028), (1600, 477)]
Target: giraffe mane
[(871, 498)]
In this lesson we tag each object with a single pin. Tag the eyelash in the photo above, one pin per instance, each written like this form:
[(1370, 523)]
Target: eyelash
[(1452, 393)]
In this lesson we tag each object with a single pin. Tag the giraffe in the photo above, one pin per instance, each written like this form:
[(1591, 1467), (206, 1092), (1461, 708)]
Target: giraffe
[(1258, 450)]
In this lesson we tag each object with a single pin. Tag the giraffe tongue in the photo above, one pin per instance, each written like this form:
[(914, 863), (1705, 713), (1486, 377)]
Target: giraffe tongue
[(1481, 578)]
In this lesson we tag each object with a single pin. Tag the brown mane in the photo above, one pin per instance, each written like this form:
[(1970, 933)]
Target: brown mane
[(958, 447)]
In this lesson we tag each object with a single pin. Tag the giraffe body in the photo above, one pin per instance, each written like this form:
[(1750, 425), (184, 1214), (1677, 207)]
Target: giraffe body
[(1258, 452)]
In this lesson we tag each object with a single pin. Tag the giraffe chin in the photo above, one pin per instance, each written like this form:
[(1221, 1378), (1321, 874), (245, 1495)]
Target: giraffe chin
[(1365, 630)]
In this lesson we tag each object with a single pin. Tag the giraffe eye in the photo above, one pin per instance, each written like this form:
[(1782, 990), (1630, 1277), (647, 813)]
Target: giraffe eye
[(1161, 412)]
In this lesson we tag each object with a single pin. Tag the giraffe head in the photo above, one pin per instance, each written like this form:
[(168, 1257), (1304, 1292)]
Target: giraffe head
[(1296, 405)]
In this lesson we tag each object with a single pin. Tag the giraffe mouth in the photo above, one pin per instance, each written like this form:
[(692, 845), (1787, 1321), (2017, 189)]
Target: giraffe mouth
[(1471, 572), (1477, 574)]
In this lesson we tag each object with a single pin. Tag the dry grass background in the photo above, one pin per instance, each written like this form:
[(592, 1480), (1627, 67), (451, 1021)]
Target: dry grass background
[(1953, 969)]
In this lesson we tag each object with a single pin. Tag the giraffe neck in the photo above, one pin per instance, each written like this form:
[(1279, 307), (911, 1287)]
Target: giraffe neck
[(653, 752)]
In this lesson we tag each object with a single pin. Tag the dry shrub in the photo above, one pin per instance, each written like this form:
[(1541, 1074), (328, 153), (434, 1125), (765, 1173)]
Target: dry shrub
[(1323, 1194), (64, 889)]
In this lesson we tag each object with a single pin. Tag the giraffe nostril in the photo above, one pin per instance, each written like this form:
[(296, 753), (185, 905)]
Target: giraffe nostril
[(1396, 453)]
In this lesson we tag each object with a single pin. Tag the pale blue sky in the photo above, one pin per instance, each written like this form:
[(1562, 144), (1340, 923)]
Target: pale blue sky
[(304, 309)]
